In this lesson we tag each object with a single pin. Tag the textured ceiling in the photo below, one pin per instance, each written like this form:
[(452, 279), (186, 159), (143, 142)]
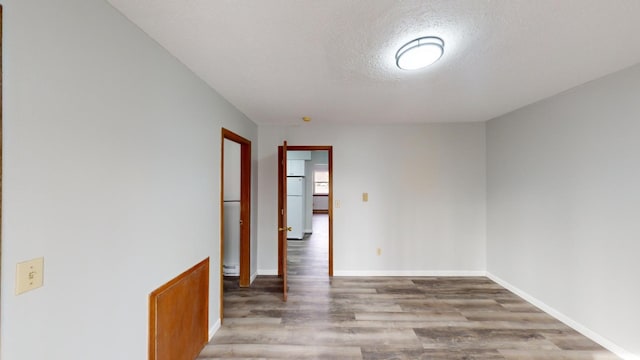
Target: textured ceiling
[(333, 60)]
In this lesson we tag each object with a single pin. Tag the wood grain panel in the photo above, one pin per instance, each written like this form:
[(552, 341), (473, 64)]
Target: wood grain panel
[(179, 315)]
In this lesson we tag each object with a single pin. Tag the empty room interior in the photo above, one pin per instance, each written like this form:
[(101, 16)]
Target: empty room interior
[(460, 179)]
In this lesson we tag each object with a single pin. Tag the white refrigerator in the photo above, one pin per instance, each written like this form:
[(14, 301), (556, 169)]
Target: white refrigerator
[(295, 206)]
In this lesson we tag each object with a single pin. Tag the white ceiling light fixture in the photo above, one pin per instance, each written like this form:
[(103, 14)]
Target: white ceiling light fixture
[(419, 53)]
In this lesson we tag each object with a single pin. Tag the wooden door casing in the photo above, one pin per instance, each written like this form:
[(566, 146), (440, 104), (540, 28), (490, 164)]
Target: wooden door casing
[(282, 217)]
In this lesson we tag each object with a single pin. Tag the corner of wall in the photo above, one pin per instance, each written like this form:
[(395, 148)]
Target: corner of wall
[(213, 329), (606, 343)]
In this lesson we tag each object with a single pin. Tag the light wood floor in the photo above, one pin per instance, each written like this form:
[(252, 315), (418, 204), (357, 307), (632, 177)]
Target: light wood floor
[(386, 318)]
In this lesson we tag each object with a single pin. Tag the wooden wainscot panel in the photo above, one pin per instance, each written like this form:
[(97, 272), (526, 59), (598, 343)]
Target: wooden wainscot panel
[(179, 315)]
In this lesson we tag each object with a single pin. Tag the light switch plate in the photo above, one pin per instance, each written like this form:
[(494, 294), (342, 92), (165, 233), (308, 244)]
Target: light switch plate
[(29, 275)]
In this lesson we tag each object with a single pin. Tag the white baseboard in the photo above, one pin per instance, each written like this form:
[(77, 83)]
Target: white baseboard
[(214, 329), (267, 272), (253, 277), (308, 231), (409, 273), (566, 320)]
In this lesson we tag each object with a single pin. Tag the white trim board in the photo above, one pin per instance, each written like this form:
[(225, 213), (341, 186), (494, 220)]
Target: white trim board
[(267, 272), (409, 273), (391, 273), (214, 329), (608, 344)]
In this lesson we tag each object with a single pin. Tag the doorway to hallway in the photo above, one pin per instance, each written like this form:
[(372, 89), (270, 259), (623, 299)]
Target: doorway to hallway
[(311, 253), (235, 211)]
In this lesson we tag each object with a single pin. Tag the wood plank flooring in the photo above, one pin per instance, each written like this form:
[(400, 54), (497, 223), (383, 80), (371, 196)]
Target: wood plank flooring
[(386, 318), (311, 255)]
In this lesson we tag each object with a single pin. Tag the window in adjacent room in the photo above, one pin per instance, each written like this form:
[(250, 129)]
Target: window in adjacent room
[(320, 179)]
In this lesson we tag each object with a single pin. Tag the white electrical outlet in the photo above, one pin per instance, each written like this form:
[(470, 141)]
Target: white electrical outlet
[(29, 275)]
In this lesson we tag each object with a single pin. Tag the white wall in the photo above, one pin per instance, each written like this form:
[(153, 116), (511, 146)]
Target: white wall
[(321, 203), (426, 186), (111, 172), (563, 205), (308, 199), (232, 164)]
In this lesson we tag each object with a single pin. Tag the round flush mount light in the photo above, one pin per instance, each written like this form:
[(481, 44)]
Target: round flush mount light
[(419, 53)]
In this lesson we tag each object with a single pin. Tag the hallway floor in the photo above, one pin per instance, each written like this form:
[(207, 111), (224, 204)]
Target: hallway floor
[(310, 256), (385, 318)]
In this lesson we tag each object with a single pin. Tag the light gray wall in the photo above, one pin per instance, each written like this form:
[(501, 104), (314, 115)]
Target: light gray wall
[(308, 199), (232, 163), (111, 172), (563, 204), (428, 217)]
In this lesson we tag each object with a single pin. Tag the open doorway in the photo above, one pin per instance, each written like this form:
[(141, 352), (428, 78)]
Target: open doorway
[(231, 223), (309, 211), (235, 212)]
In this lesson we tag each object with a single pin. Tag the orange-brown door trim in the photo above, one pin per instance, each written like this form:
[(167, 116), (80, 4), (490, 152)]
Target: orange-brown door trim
[(329, 150), (281, 204), (0, 136), (245, 210), (283, 227)]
